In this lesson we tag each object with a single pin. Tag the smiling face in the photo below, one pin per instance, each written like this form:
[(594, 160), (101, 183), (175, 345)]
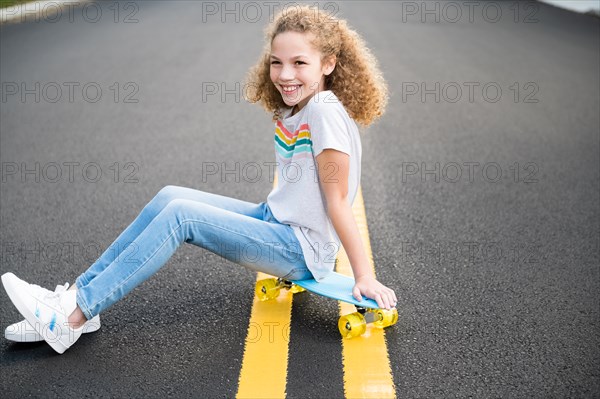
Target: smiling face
[(296, 68)]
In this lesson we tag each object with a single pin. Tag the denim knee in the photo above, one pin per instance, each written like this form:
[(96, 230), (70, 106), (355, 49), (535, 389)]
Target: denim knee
[(161, 200), (167, 194)]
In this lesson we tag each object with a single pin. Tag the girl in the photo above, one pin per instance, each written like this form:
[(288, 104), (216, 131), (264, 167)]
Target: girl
[(318, 78)]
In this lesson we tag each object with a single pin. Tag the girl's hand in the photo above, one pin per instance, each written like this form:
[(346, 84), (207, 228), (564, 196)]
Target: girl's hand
[(371, 288)]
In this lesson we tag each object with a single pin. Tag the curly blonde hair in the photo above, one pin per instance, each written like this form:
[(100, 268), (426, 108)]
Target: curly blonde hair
[(356, 79)]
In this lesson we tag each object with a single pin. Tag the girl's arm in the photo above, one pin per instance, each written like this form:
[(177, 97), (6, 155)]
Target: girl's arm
[(334, 167)]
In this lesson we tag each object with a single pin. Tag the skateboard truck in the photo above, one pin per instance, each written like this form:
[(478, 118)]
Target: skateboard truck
[(350, 325), (355, 324), (270, 288)]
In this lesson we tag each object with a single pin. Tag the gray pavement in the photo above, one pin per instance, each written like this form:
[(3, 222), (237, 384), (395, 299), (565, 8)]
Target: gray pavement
[(483, 208)]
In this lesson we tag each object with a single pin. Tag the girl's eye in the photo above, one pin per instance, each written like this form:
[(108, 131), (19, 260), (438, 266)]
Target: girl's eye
[(278, 62)]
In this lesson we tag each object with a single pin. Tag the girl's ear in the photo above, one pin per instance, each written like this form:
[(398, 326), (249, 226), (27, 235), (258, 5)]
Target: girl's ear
[(329, 65)]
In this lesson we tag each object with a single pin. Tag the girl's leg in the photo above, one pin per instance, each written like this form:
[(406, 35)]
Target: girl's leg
[(266, 246), (153, 208)]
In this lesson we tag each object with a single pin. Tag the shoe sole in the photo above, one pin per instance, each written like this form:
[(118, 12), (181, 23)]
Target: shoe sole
[(23, 335), (25, 312), (90, 326)]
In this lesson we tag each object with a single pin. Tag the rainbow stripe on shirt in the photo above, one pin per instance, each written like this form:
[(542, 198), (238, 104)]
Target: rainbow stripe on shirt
[(297, 144)]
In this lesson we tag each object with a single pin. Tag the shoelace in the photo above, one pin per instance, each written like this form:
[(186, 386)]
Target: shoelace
[(39, 291), (53, 299)]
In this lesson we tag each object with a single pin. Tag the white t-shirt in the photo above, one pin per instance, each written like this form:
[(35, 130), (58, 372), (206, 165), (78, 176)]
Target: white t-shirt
[(297, 200)]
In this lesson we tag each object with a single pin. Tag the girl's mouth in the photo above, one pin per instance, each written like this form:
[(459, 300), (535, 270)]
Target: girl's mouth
[(290, 90)]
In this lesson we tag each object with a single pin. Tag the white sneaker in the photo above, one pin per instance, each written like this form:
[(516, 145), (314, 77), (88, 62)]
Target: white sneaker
[(47, 312), (24, 332)]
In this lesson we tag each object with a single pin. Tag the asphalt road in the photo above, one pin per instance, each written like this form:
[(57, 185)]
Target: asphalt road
[(483, 208)]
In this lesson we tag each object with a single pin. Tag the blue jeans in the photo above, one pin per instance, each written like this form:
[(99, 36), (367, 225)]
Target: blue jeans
[(242, 232)]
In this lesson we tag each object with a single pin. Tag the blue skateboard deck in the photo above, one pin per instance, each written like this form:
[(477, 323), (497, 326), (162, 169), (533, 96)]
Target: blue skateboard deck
[(336, 286)]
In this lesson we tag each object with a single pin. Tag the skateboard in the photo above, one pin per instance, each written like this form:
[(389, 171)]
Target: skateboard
[(339, 287)]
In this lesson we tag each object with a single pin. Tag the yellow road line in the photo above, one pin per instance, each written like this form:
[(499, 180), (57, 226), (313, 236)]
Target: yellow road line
[(264, 367), (367, 370)]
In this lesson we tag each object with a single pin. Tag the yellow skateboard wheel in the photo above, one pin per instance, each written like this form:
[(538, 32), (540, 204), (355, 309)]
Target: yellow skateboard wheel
[(385, 318), (352, 325), (267, 289)]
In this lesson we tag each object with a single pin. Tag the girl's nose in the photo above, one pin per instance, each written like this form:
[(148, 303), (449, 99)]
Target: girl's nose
[(287, 73)]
